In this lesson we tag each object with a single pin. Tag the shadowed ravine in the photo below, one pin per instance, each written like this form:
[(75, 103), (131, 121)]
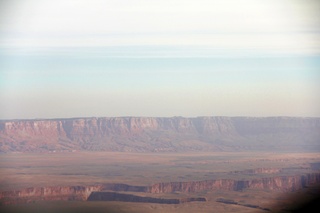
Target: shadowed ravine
[(114, 196)]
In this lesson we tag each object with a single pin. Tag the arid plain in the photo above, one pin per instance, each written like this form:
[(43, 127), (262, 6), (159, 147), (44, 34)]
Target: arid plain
[(25, 170)]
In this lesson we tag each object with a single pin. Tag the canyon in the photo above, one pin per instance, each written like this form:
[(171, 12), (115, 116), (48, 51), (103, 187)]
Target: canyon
[(152, 134), (113, 196), (108, 192)]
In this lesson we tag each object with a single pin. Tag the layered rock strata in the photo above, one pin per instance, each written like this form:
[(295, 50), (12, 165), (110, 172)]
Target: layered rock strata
[(160, 134), (48, 193), (281, 183)]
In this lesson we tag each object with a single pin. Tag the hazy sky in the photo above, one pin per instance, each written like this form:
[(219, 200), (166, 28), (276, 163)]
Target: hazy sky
[(159, 58)]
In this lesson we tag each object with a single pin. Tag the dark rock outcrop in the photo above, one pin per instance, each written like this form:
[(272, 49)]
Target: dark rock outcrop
[(227, 201), (123, 187), (160, 134)]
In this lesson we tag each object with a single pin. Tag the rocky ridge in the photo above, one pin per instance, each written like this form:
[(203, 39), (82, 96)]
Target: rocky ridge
[(144, 134)]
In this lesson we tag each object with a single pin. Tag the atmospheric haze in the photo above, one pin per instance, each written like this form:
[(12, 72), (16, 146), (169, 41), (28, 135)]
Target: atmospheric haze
[(159, 58)]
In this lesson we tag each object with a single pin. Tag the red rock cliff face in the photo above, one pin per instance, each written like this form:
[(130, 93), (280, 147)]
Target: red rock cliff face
[(48, 193), (283, 183), (120, 134)]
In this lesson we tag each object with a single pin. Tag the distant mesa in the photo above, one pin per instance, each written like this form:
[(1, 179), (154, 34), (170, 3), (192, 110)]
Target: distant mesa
[(152, 134)]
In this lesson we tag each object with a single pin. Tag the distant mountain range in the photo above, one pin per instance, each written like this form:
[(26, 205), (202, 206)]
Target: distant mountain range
[(155, 134)]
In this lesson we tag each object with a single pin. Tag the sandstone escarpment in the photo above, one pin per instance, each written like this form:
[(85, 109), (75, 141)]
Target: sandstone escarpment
[(156, 134), (98, 192), (47, 193), (280, 183)]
